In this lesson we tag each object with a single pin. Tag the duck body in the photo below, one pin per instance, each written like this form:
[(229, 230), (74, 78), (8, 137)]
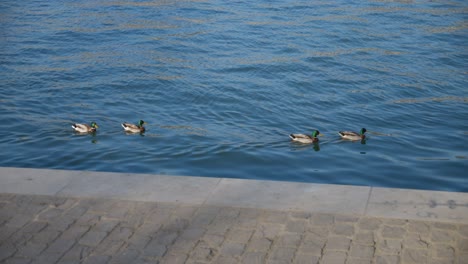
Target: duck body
[(305, 139), (351, 135), (85, 128), (132, 128)]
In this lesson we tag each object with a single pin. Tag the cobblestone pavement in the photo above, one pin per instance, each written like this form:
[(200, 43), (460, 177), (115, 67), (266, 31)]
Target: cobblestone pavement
[(49, 229)]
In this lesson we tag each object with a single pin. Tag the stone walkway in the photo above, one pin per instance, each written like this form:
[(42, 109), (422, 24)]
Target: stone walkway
[(51, 229)]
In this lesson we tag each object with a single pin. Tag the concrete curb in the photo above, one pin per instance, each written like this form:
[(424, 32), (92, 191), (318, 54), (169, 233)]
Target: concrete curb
[(307, 197)]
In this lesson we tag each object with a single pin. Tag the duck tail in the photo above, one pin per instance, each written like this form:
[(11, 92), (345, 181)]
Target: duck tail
[(123, 125), (341, 133), (292, 136)]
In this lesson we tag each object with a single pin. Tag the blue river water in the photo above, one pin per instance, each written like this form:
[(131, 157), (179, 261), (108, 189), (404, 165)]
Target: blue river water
[(221, 84)]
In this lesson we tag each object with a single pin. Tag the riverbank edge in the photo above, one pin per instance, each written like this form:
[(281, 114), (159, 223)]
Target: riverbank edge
[(367, 201)]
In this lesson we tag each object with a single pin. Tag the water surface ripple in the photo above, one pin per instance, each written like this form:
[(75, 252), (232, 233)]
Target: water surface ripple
[(223, 83)]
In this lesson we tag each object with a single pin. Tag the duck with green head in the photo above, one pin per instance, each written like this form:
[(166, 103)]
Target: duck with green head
[(132, 128), (350, 135), (306, 139), (85, 128)]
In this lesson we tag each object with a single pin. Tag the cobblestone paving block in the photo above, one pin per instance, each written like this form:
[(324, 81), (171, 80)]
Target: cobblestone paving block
[(259, 244), (6, 232), (267, 230), (361, 251), (443, 236), (445, 226), (105, 225), (102, 206), (441, 261), (300, 215), (20, 238), (108, 247), (232, 249), (239, 235), (76, 211), (45, 236), (165, 237), (282, 253), (18, 260), (334, 258), (212, 240), (179, 258), (76, 254), (444, 251), (59, 246), (351, 260), (419, 227), (388, 259), (67, 204), (463, 231), (343, 229), (183, 245), (350, 219), (302, 258), (92, 238), (48, 200), (7, 250), (19, 220), (389, 247), (175, 224), (218, 228), (47, 258), (414, 240), (155, 249), (138, 241), (364, 238), (317, 232), (50, 214), (276, 217), (463, 245), (120, 234), (61, 223), (203, 253), (120, 210), (88, 219), (322, 219), (225, 260), (204, 216), (132, 220), (314, 247), (96, 259), (368, 223), (125, 256), (393, 232), (395, 222), (75, 232), (159, 215), (148, 229), (34, 227), (289, 240), (298, 226), (31, 250), (414, 256), (185, 211), (338, 243), (254, 257)]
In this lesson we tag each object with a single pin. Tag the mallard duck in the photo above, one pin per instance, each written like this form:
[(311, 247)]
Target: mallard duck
[(350, 135), (302, 138), (134, 128), (85, 128)]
